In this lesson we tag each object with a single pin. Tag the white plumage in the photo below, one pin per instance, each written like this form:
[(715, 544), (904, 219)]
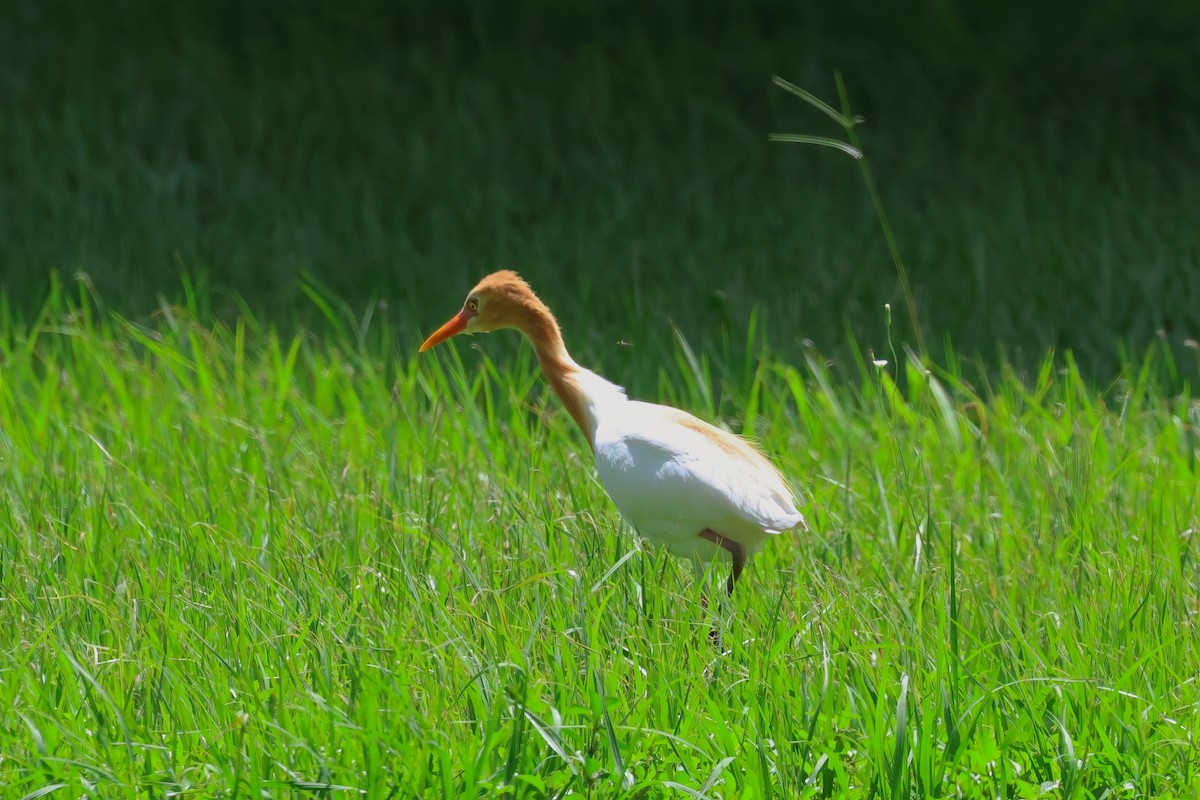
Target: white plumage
[(680, 482)]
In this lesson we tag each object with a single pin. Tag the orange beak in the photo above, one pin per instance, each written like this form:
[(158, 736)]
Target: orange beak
[(457, 324)]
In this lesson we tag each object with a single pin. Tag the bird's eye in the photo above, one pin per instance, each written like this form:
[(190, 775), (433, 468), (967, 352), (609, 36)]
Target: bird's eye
[(472, 305)]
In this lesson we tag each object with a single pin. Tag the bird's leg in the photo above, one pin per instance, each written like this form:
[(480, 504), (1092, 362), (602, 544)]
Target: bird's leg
[(698, 573), (739, 562), (735, 550), (714, 635)]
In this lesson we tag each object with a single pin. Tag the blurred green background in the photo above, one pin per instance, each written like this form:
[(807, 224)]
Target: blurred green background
[(1040, 163)]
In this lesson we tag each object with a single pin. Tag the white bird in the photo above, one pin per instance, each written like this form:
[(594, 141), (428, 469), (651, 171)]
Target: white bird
[(681, 483)]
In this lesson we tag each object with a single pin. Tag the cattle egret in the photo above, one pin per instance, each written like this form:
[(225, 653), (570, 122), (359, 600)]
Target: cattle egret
[(681, 483)]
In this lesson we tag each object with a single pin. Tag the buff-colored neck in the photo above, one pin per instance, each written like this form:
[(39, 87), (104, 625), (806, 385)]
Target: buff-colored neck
[(542, 331)]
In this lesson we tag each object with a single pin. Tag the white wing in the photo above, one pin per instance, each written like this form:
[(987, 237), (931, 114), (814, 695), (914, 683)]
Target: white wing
[(672, 476)]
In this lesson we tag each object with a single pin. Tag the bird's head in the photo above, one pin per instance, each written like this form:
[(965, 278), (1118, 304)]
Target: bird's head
[(501, 300)]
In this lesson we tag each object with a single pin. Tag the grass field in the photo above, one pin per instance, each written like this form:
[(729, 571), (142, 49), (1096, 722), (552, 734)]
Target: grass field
[(252, 545), (238, 564)]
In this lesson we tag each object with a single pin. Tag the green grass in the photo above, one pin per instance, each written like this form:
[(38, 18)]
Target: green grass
[(621, 153), (252, 546), (236, 563)]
